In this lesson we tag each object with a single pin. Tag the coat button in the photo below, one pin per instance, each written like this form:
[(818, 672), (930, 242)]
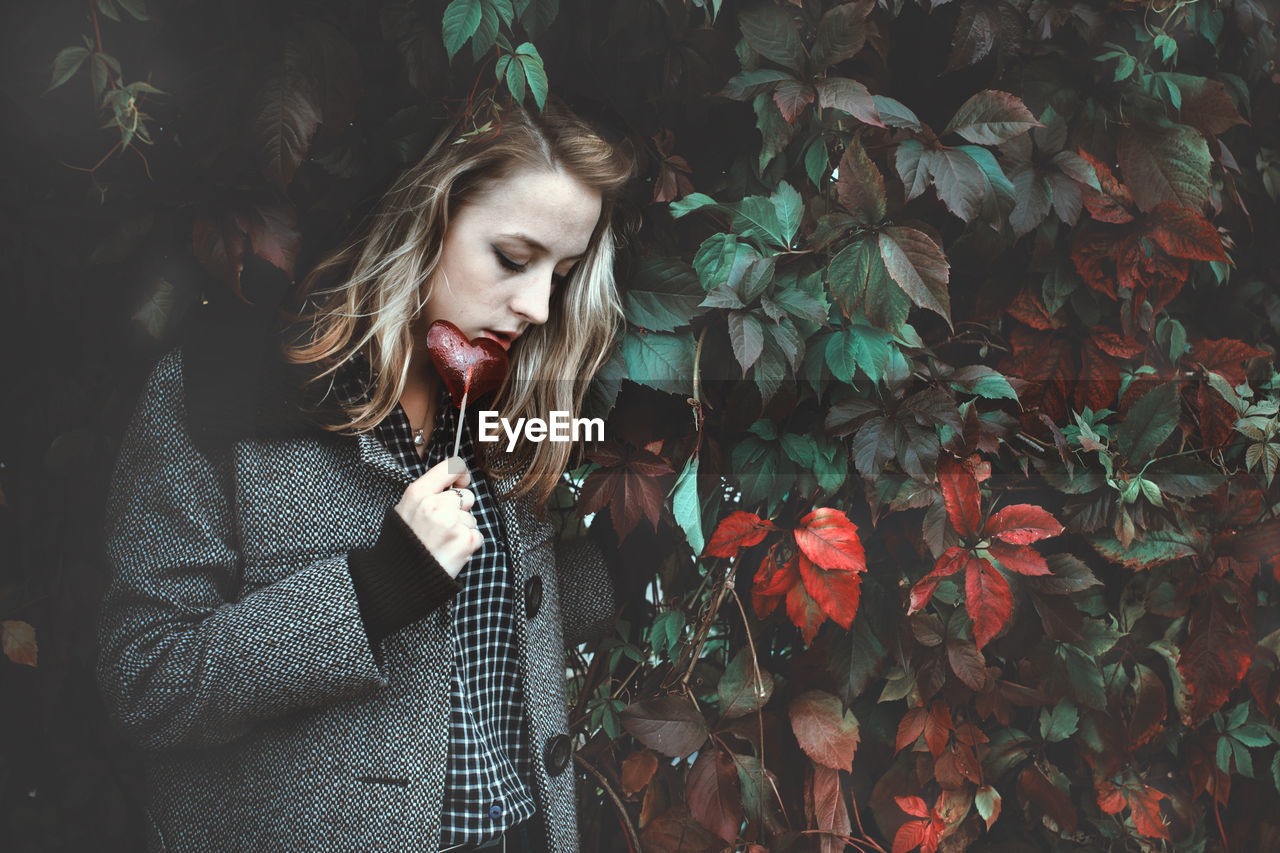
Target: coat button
[(557, 753), (532, 596)]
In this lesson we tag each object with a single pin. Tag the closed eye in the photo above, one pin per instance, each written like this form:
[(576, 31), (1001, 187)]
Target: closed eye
[(507, 263)]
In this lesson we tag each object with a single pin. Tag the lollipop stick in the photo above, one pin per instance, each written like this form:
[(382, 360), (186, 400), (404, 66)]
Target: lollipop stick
[(462, 413)]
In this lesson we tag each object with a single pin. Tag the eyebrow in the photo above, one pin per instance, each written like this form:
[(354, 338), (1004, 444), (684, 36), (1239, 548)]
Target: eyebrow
[(534, 244)]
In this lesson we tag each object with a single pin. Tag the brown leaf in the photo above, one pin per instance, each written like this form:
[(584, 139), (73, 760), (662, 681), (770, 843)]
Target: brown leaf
[(285, 116), (677, 832), (824, 801), (637, 770), (670, 724), (714, 795), (860, 186), (19, 642), (826, 732)]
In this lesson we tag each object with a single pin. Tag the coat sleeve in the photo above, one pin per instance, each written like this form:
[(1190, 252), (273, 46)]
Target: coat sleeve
[(182, 661), (587, 590)]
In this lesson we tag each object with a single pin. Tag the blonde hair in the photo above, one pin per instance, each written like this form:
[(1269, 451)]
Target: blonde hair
[(373, 307)]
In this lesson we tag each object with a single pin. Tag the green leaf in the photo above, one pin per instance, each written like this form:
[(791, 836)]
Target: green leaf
[(660, 360), (487, 33), (722, 260), (1156, 547), (799, 304), (748, 84), (983, 381), (840, 355), (666, 631), (769, 31), (919, 267), (534, 73), (1184, 476), (896, 114), (789, 207), (66, 64), (841, 33), (686, 507), (1085, 679), (538, 15), (136, 8), (1061, 723), (860, 284), (460, 22), (991, 117), (746, 334), (1148, 423), (816, 161), (739, 691), (663, 295), (755, 464)]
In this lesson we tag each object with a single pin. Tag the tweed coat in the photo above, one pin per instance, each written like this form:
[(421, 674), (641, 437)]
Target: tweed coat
[(232, 648)]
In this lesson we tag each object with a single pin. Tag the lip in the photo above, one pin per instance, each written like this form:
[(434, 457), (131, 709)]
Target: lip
[(502, 340)]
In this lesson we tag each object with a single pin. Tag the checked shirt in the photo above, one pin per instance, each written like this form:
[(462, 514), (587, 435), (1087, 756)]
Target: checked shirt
[(485, 787)]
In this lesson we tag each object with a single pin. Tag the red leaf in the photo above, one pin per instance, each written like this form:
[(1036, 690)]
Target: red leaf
[(827, 803), (1115, 344), (830, 540), (1022, 524), (1093, 251), (1028, 308), (1144, 807), (805, 613), (952, 561), (1114, 202), (1099, 382), (826, 732), (1216, 416), (772, 582), (713, 794), (1218, 648), (1110, 799), (837, 592), (1021, 559), (910, 835), (909, 729), (1225, 356), (961, 494), (914, 806), (1034, 788), (737, 531), (1183, 233), (938, 728), (988, 600), (792, 96), (1149, 706)]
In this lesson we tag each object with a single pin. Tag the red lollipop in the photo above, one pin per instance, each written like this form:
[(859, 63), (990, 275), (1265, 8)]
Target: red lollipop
[(468, 367)]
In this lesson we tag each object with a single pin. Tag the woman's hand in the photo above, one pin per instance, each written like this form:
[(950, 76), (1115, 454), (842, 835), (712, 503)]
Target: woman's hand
[(437, 507)]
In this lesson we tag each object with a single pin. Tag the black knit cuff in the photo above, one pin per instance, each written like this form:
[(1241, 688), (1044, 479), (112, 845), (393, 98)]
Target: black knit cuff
[(397, 581)]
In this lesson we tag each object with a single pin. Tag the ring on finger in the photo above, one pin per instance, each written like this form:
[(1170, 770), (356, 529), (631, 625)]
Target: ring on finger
[(458, 492)]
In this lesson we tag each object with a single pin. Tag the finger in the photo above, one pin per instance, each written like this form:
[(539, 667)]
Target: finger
[(442, 476)]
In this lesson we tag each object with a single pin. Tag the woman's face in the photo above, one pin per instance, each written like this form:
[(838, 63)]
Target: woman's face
[(507, 249)]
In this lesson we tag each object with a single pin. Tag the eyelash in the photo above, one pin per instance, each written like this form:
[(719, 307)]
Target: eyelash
[(510, 265)]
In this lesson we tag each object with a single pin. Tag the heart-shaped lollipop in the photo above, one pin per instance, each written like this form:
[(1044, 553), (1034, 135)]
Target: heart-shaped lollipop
[(468, 367)]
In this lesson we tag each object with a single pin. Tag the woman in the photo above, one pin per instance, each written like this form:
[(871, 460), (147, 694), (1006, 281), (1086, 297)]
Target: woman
[(325, 634)]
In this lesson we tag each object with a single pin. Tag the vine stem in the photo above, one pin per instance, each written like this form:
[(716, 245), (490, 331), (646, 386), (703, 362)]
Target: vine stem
[(755, 670), (633, 837), (726, 586)]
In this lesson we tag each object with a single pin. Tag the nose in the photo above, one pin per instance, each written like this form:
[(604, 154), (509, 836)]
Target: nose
[(532, 300)]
